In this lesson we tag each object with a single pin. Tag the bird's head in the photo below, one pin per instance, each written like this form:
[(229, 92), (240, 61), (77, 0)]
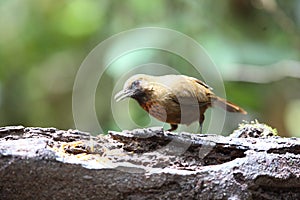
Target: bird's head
[(135, 87)]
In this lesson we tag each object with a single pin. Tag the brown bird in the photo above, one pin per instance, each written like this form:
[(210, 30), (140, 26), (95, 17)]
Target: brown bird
[(175, 99)]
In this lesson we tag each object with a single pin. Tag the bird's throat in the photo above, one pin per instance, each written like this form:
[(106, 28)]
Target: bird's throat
[(143, 98)]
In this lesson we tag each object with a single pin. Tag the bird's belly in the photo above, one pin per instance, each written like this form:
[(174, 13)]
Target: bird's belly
[(173, 113)]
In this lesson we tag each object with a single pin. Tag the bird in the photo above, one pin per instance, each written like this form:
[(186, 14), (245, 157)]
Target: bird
[(174, 99)]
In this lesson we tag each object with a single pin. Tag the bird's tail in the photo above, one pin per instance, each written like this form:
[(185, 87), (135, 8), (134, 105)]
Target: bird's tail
[(226, 105)]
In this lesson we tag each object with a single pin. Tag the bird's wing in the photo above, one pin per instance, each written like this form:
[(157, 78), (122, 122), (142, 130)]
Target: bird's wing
[(201, 83), (186, 90)]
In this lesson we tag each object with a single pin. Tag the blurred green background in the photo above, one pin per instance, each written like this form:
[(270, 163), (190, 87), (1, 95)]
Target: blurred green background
[(254, 43)]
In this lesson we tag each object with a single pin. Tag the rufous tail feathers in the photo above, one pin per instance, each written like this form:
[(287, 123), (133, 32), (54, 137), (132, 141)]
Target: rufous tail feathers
[(226, 105)]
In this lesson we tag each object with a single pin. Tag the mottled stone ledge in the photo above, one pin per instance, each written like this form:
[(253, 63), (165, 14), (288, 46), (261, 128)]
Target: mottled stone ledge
[(47, 163)]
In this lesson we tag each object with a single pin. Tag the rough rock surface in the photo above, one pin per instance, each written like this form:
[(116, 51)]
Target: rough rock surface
[(47, 163)]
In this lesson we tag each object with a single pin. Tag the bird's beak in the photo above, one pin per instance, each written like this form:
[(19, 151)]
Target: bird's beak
[(123, 94)]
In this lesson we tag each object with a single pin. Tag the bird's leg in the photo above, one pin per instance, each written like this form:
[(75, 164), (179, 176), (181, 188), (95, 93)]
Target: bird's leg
[(200, 125), (201, 122), (173, 127)]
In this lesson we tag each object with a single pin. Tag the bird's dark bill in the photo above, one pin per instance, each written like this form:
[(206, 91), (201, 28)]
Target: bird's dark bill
[(123, 94)]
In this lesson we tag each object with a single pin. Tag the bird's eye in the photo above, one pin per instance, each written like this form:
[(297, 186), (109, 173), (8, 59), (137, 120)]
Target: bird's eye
[(136, 83)]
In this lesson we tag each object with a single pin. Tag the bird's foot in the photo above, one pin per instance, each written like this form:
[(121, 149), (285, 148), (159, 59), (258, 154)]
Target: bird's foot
[(173, 127)]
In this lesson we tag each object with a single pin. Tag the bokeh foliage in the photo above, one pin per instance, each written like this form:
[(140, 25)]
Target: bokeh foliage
[(43, 43)]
